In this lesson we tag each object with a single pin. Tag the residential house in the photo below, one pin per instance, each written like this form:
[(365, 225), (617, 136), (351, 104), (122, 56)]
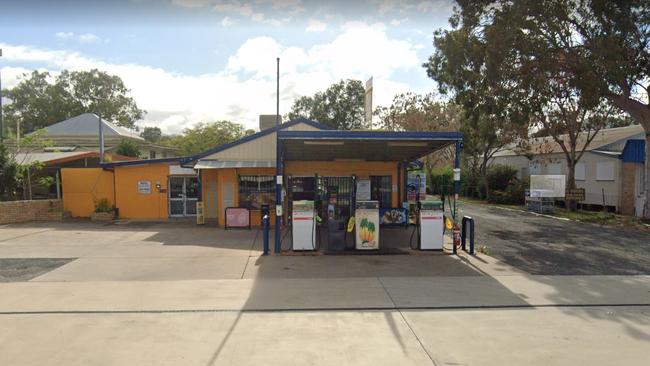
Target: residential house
[(611, 169)]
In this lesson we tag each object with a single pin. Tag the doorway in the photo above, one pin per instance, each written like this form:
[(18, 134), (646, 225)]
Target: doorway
[(183, 194)]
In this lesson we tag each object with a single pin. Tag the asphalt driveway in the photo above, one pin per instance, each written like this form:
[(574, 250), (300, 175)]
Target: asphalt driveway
[(547, 246)]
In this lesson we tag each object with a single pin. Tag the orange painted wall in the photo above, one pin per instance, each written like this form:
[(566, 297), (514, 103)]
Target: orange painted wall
[(82, 187), (231, 176), (133, 205), (362, 169)]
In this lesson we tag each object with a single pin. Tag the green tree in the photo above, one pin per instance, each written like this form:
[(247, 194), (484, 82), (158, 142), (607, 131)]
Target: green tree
[(8, 174), (418, 112), (151, 134), (40, 100), (340, 106), (600, 48), (26, 169), (205, 136), (128, 148)]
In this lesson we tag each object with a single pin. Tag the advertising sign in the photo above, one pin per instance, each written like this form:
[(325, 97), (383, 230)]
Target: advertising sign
[(547, 186), (144, 187), (416, 185), (393, 216), (238, 217), (363, 189), (367, 228)]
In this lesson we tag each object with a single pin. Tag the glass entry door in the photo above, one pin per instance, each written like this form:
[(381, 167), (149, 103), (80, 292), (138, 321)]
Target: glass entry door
[(183, 194)]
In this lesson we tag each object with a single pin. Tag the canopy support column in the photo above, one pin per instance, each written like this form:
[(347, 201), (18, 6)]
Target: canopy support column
[(278, 194)]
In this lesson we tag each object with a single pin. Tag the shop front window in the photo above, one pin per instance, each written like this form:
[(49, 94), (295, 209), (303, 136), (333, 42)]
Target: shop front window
[(380, 190), (256, 190)]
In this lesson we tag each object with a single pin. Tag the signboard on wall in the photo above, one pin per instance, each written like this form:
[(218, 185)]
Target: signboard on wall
[(416, 185), (576, 194), (144, 187), (363, 189), (238, 217), (547, 186)]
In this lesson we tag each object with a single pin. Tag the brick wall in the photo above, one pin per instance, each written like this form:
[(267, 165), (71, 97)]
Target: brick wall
[(627, 189), (37, 210)]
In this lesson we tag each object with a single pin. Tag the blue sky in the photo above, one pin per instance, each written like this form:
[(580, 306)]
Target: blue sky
[(188, 61)]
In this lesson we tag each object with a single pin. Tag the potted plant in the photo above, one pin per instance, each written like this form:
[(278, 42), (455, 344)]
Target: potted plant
[(103, 211)]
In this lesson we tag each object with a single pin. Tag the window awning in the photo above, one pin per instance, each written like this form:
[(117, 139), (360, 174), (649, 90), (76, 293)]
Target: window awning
[(225, 164)]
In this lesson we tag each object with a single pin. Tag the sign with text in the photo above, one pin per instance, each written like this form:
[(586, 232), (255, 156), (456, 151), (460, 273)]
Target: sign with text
[(576, 194), (144, 187), (363, 189)]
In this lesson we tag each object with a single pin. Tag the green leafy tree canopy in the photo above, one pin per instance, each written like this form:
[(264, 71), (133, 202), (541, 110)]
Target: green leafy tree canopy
[(340, 106), (128, 148), (40, 100), (151, 134), (205, 136)]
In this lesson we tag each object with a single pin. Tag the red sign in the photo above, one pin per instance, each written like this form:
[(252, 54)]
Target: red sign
[(238, 217)]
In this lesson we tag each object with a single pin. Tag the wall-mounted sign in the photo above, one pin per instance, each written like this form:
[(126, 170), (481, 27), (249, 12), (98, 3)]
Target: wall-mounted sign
[(416, 185), (363, 189), (576, 194), (238, 217), (144, 187)]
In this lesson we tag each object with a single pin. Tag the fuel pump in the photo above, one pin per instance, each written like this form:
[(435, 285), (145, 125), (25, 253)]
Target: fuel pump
[(432, 224), (366, 217), (303, 225)]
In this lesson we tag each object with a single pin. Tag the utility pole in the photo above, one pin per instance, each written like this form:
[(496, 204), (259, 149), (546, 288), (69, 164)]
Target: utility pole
[(101, 141), (277, 94)]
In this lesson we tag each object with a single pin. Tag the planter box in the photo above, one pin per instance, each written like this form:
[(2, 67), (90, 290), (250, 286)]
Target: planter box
[(102, 216)]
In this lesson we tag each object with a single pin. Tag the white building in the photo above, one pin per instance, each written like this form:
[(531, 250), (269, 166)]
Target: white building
[(611, 170)]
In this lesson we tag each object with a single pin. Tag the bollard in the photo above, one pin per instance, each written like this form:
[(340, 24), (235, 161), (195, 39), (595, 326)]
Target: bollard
[(463, 236), (265, 233)]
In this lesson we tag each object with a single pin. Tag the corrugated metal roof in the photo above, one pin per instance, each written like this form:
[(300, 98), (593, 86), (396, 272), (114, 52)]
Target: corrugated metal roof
[(45, 157), (87, 125), (634, 151), (216, 164), (604, 138)]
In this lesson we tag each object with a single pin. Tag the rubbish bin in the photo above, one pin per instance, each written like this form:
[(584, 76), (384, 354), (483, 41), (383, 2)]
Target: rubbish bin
[(335, 235)]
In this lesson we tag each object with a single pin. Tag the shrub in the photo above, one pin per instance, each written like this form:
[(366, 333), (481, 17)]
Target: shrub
[(441, 180), (103, 205), (500, 176)]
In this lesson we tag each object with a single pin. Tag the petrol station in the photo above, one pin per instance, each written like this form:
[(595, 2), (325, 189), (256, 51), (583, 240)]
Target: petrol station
[(311, 188), (340, 191)]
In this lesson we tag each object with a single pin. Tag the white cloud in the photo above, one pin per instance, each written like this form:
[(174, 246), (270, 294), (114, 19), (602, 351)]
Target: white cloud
[(88, 38), (64, 35), (191, 3), (83, 38), (316, 26), (234, 7), (227, 21), (245, 88)]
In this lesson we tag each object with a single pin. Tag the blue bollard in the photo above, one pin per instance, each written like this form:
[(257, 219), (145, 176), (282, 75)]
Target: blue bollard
[(265, 233)]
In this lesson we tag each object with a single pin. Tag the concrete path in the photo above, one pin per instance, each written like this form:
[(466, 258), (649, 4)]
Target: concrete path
[(325, 294), (150, 294)]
